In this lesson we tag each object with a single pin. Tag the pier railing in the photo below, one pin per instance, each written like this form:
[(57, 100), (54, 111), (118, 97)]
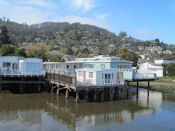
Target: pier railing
[(144, 76), (18, 73), (61, 77)]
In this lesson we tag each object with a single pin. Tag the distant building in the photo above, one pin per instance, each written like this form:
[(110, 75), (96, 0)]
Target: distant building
[(106, 62), (168, 52), (155, 67)]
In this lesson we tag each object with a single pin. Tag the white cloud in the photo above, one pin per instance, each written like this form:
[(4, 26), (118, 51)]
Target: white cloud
[(23, 11), (84, 5), (41, 3), (30, 15)]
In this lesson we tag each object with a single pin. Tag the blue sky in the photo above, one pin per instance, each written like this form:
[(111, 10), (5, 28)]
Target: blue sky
[(142, 19)]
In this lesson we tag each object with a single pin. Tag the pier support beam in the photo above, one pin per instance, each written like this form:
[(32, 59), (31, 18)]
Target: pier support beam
[(111, 94), (95, 95), (137, 89), (102, 95), (21, 88), (127, 93), (58, 91), (0, 85), (39, 88), (67, 94), (86, 95), (77, 96), (148, 88)]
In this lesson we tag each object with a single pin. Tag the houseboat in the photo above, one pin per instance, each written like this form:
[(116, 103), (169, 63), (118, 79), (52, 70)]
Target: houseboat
[(16, 65), (98, 62), (92, 76)]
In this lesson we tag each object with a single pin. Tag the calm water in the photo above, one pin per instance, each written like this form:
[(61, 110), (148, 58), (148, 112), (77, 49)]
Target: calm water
[(46, 112)]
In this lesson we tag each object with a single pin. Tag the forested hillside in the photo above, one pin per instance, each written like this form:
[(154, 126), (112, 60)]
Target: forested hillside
[(83, 40)]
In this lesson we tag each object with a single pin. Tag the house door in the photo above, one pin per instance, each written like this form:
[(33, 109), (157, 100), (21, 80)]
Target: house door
[(120, 76), (84, 75)]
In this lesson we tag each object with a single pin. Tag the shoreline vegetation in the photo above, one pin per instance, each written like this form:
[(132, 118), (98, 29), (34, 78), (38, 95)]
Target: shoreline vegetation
[(163, 84)]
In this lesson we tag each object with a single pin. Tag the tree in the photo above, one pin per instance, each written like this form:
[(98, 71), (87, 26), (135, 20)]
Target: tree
[(38, 50), (42, 48), (126, 54), (11, 50), (122, 34), (171, 70), (4, 38)]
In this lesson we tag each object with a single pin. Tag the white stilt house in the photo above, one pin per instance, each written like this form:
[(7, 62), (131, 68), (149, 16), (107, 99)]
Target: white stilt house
[(94, 76), (16, 65)]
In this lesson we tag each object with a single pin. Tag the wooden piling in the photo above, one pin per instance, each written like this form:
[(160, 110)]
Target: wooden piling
[(0, 85), (102, 95), (137, 89), (95, 94), (77, 96), (58, 91), (86, 95), (148, 88), (67, 94), (111, 93), (39, 88)]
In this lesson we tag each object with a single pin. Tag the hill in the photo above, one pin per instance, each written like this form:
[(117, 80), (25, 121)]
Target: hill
[(84, 40)]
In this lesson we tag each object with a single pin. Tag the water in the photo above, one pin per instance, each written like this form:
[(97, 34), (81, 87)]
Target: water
[(47, 112)]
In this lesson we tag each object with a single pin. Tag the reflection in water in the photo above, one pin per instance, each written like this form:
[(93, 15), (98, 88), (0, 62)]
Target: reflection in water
[(50, 112)]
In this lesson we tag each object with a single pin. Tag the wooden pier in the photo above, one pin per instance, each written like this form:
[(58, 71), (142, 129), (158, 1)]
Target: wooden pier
[(137, 85), (66, 82), (21, 82)]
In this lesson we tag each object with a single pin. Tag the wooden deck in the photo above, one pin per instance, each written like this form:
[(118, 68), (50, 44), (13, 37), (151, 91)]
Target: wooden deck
[(62, 78)]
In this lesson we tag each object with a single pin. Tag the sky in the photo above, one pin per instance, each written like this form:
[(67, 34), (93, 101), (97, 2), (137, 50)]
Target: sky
[(142, 19)]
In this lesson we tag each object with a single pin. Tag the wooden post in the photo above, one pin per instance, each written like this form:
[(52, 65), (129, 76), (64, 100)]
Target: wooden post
[(21, 86), (77, 96), (39, 88), (95, 95), (0, 85), (127, 95), (102, 95), (137, 89), (86, 95), (111, 93), (52, 88), (67, 94), (148, 89), (58, 91)]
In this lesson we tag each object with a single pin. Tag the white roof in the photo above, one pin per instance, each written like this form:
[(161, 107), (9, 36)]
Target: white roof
[(95, 69)]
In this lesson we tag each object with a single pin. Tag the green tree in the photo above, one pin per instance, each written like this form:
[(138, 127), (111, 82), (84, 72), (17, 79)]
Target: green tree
[(171, 70), (4, 37), (126, 54), (11, 50)]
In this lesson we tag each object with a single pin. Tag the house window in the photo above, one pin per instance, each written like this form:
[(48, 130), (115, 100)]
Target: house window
[(106, 76), (90, 74), (3, 64), (67, 66), (102, 66), (112, 75), (6, 64)]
